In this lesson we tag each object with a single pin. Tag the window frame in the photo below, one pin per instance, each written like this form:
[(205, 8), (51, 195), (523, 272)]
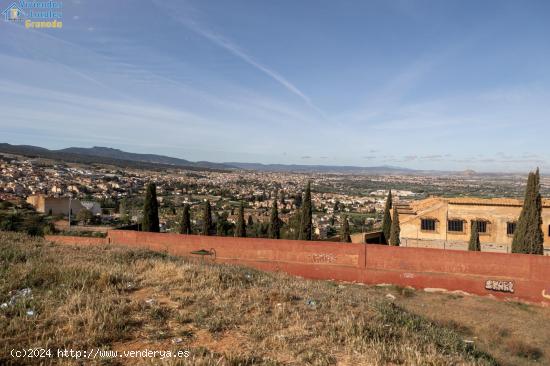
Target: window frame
[(425, 220), (484, 222), (508, 224), (455, 221)]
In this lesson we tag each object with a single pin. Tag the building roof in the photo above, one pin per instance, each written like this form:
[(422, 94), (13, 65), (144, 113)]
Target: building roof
[(417, 206), (492, 201)]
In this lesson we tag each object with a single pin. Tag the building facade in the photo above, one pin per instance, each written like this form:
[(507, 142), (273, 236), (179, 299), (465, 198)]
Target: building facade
[(447, 222), (55, 205)]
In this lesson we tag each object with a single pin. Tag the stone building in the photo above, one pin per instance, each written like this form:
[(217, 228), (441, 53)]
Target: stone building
[(446, 223), (54, 205)]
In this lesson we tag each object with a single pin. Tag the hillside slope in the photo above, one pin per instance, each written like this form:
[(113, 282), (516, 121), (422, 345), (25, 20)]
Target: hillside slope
[(110, 153), (121, 299), (104, 155)]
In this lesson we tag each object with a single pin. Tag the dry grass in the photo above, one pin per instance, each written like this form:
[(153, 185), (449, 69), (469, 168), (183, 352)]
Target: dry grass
[(120, 299)]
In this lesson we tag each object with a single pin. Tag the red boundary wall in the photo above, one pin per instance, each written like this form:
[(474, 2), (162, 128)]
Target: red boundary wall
[(506, 276), (76, 240)]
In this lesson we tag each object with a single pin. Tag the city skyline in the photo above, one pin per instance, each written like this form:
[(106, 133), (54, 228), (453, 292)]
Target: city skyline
[(422, 85)]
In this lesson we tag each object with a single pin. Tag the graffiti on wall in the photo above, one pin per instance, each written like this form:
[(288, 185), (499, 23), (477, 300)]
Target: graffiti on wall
[(501, 286), (324, 258)]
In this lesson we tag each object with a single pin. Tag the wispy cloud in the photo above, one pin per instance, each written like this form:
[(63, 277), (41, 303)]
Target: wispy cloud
[(237, 51)]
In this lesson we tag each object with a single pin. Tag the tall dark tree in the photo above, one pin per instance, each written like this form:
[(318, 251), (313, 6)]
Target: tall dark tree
[(240, 230), (151, 210), (222, 225), (185, 227), (306, 222), (395, 231), (344, 235), (474, 244), (124, 211), (293, 227), (298, 200), (206, 218), (528, 237), (274, 222), (261, 230), (386, 221)]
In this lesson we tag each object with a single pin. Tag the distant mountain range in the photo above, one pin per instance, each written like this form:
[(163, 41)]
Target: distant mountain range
[(110, 153), (106, 155)]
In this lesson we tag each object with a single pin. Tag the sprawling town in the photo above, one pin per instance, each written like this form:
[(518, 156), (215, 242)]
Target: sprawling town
[(89, 199), (115, 195)]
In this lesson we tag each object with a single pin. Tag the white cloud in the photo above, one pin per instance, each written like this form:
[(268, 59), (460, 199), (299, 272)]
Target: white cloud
[(231, 47)]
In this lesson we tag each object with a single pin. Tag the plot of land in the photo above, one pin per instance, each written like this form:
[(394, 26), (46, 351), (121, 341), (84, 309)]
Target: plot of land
[(120, 299)]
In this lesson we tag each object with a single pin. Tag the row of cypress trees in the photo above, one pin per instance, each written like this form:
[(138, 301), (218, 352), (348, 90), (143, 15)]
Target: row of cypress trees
[(150, 220), (305, 230)]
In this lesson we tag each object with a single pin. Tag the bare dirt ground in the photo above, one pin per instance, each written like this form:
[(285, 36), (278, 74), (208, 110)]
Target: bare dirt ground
[(117, 299)]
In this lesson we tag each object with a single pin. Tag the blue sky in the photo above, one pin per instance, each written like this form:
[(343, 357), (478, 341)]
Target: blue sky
[(422, 84)]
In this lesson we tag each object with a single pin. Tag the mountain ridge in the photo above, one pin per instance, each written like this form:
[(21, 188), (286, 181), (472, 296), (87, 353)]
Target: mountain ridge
[(108, 155), (105, 155), (109, 152)]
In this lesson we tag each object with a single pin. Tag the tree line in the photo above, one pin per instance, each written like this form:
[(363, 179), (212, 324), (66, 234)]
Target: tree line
[(300, 226)]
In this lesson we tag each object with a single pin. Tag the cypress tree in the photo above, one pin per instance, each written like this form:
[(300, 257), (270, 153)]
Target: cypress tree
[(274, 231), (306, 220), (222, 225), (395, 231), (186, 220), (206, 218), (537, 246), (123, 210), (386, 221), (151, 210), (240, 230), (528, 237), (298, 200), (345, 237), (293, 228), (474, 244)]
